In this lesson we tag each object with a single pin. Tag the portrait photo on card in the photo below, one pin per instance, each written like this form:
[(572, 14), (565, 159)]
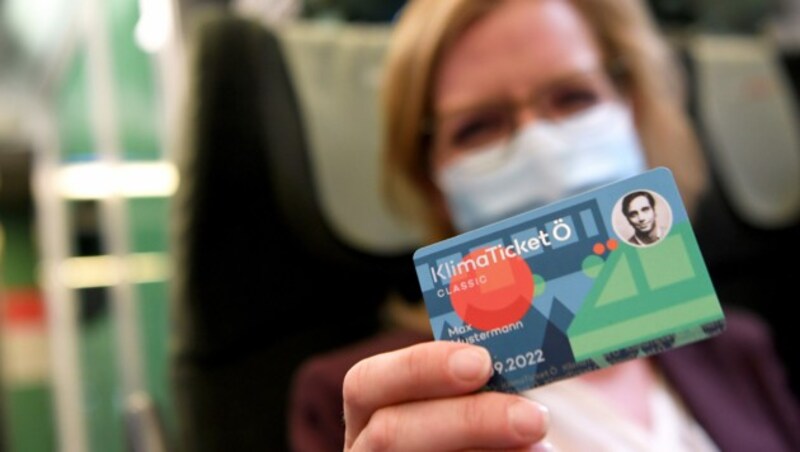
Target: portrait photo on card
[(642, 218)]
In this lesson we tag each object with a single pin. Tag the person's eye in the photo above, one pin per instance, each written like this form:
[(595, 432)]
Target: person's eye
[(481, 128), (569, 101)]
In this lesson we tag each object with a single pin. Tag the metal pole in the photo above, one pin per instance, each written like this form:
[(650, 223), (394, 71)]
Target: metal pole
[(113, 208), (61, 303)]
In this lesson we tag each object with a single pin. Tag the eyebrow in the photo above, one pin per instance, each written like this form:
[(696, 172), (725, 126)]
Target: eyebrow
[(479, 104)]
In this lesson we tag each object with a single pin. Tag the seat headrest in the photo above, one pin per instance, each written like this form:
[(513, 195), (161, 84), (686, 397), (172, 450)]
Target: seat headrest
[(336, 71), (750, 117)]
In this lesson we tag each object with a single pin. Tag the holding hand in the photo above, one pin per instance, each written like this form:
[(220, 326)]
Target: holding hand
[(423, 398)]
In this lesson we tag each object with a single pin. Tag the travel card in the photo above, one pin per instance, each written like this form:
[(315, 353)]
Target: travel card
[(606, 276)]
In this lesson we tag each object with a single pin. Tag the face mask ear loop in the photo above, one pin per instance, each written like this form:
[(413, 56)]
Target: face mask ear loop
[(619, 73), (426, 157)]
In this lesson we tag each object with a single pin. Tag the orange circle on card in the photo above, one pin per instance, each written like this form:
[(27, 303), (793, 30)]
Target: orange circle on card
[(493, 288)]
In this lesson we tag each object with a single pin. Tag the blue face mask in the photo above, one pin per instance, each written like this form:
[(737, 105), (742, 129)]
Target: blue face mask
[(541, 163)]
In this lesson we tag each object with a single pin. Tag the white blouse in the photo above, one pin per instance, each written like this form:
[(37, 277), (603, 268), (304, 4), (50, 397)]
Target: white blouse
[(581, 419)]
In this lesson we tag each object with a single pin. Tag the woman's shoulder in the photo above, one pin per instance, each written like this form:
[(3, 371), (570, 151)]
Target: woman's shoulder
[(744, 345), (734, 384), (745, 330)]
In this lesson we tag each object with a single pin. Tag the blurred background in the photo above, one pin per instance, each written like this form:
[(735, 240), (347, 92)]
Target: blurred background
[(190, 203)]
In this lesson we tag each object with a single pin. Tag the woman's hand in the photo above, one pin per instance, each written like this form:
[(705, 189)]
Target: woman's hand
[(423, 398)]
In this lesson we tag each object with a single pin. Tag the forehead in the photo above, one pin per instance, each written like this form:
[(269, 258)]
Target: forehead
[(639, 202), (520, 44)]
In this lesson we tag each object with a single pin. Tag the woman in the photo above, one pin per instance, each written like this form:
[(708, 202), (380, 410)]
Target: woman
[(493, 107)]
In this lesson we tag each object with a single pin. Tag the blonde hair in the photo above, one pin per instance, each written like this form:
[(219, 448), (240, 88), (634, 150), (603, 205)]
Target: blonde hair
[(625, 33)]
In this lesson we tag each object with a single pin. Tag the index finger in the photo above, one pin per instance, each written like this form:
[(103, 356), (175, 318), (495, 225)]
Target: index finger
[(422, 371)]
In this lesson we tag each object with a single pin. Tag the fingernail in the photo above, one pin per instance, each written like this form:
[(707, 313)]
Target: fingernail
[(529, 419), (544, 446), (470, 364), (545, 412)]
